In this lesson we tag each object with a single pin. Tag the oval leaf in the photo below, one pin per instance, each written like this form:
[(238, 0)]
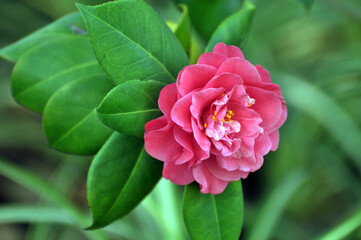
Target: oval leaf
[(130, 105), (233, 29), (214, 217), (131, 41), (70, 120), (183, 31), (42, 71), (120, 176), (206, 15), (69, 25)]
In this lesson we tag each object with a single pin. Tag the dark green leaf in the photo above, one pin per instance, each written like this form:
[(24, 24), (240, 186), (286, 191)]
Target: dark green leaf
[(130, 105), (307, 3), (120, 176), (42, 71), (69, 25), (206, 15), (233, 29), (214, 217), (131, 41), (184, 29), (70, 120)]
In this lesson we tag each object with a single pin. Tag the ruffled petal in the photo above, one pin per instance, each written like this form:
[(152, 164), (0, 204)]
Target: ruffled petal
[(178, 174), (193, 77), (265, 76), (207, 181), (228, 51), (185, 140), (167, 99), (225, 80), (274, 137), (224, 174), (212, 59), (269, 106), (181, 114), (241, 67), (200, 137), (160, 143)]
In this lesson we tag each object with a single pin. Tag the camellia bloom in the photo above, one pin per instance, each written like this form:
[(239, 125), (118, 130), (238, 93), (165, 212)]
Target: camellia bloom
[(220, 118)]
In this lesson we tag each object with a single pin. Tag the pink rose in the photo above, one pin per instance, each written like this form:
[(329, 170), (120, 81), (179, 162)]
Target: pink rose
[(220, 118)]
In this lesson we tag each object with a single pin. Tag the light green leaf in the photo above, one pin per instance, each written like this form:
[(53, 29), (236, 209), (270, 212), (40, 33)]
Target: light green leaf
[(233, 30), (307, 3), (130, 105), (311, 100), (70, 120), (42, 71), (275, 204), (131, 41), (184, 29), (214, 217), (66, 26), (120, 176), (26, 214)]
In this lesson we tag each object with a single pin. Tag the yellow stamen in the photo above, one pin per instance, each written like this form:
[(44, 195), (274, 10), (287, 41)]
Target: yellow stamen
[(205, 125), (214, 118), (215, 113), (223, 120), (230, 120), (228, 116)]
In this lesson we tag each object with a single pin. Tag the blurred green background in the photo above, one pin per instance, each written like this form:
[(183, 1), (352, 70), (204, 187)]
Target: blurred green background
[(310, 186)]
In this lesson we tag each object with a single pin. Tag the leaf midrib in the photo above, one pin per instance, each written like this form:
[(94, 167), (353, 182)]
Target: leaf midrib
[(130, 113), (120, 195), (136, 44), (87, 64), (216, 215)]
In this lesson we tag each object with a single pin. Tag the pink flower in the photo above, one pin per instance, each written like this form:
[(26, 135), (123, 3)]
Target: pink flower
[(220, 118)]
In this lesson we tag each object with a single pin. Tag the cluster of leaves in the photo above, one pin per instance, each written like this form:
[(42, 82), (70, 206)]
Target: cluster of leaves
[(95, 77)]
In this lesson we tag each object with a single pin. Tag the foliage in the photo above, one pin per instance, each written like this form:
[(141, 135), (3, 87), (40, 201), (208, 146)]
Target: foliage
[(79, 75)]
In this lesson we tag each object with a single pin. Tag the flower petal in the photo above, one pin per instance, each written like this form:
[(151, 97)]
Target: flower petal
[(265, 76), (193, 77), (207, 181), (224, 174), (212, 59), (274, 137), (181, 114), (178, 174), (241, 67), (225, 80), (228, 51), (167, 99), (269, 106), (186, 141)]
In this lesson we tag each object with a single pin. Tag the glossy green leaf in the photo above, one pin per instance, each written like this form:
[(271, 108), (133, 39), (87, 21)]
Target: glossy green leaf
[(130, 105), (184, 29), (42, 71), (131, 41), (120, 176), (214, 217), (70, 120), (66, 26), (206, 15), (233, 30)]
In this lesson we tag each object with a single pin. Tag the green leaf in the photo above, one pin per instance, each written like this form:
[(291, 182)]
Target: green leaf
[(120, 176), (307, 3), (130, 105), (42, 71), (275, 204), (47, 192), (214, 217), (70, 120), (206, 15), (233, 30), (26, 214), (314, 102), (183, 31), (345, 228), (66, 26), (131, 41)]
